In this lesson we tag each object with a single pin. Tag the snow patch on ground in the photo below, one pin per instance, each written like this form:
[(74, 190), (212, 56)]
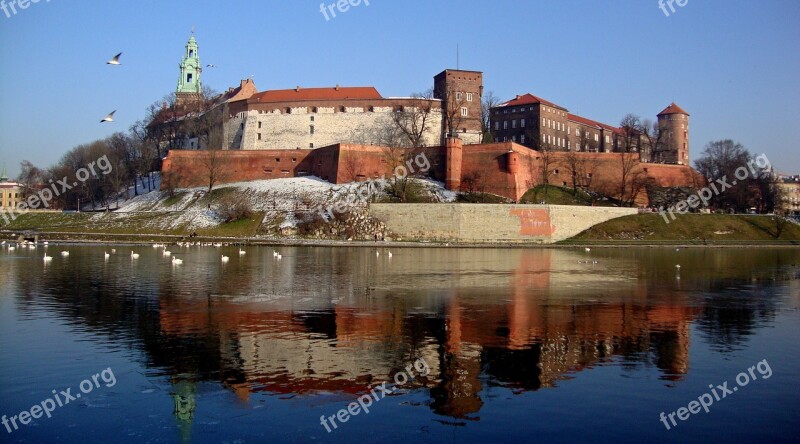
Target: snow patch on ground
[(286, 201)]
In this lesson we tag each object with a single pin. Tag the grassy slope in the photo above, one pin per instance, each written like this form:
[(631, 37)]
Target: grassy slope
[(554, 195), (691, 228), (147, 222)]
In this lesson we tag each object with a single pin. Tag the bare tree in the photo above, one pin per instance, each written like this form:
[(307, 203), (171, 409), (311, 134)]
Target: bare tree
[(631, 126), (415, 121), (489, 101), (632, 178), (452, 103), (30, 177), (213, 163)]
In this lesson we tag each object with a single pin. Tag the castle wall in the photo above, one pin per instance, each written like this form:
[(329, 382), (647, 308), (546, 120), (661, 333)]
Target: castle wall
[(483, 168), (486, 223)]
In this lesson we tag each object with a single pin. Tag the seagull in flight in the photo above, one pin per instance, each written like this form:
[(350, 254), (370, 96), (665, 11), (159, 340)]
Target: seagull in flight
[(115, 60), (109, 117), (211, 66)]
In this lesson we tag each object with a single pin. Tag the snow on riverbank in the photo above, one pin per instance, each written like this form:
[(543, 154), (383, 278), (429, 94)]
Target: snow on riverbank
[(285, 201)]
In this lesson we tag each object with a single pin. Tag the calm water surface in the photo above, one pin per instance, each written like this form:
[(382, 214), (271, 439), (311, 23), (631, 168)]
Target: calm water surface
[(511, 345)]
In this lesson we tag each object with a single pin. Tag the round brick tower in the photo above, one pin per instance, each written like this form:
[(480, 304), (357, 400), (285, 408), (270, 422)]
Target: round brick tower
[(674, 123), (453, 153)]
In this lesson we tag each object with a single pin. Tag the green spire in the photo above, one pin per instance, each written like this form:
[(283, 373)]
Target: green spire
[(3, 175), (189, 83)]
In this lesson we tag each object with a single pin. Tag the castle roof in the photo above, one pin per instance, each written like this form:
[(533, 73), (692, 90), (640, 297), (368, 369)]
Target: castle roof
[(672, 109), (309, 94), (529, 99), (584, 121)]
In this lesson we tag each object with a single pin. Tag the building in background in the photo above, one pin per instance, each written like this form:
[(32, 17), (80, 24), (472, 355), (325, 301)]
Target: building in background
[(790, 195), (10, 192), (543, 125)]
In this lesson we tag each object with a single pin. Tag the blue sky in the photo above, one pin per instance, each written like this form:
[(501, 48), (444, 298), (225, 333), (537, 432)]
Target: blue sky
[(733, 65)]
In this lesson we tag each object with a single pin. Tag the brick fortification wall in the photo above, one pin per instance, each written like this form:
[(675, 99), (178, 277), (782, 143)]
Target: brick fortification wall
[(505, 169), (482, 223)]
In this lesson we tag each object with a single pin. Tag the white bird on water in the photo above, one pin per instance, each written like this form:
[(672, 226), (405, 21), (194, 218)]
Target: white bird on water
[(12, 248), (176, 261), (167, 253), (678, 266), (115, 60), (47, 258), (390, 254), (105, 253), (242, 252), (274, 253), (588, 249), (134, 255), (225, 258), (65, 253)]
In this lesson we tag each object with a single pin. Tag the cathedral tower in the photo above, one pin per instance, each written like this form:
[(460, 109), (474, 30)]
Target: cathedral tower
[(189, 84)]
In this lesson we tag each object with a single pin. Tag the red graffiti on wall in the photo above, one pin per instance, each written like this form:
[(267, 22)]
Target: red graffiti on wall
[(534, 222)]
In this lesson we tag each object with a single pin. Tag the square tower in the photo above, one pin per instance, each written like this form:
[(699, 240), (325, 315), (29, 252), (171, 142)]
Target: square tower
[(461, 93)]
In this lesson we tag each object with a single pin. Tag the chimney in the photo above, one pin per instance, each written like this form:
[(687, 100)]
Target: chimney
[(517, 98), (297, 88), (337, 87)]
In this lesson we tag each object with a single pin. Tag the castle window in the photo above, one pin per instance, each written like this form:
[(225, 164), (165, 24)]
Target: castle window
[(505, 124), (514, 123), (464, 112), (189, 78), (311, 145), (288, 110), (469, 97), (371, 109), (522, 138), (277, 159), (496, 126), (311, 129), (458, 96), (522, 123), (294, 159), (191, 53), (312, 118), (259, 125), (259, 136), (342, 109)]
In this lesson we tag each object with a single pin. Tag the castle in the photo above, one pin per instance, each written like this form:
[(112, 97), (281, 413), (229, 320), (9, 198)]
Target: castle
[(344, 134)]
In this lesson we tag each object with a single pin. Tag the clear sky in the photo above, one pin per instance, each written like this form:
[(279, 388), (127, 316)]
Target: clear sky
[(732, 64)]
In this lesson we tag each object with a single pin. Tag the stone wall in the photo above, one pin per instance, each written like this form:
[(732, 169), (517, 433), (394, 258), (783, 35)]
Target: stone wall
[(484, 223), (279, 129)]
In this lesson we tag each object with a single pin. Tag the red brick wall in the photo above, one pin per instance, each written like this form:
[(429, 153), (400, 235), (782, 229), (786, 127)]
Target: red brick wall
[(484, 168)]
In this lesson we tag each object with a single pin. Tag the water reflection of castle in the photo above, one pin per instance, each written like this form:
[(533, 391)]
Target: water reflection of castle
[(527, 341)]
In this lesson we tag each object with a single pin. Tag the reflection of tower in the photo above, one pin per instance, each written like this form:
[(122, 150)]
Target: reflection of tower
[(457, 393), (184, 396)]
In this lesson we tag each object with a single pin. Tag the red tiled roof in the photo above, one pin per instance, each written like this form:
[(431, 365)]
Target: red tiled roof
[(306, 94), (529, 99), (583, 120), (672, 109)]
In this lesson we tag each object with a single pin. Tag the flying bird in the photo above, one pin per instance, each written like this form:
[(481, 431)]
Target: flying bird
[(115, 60), (109, 117), (211, 66)]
